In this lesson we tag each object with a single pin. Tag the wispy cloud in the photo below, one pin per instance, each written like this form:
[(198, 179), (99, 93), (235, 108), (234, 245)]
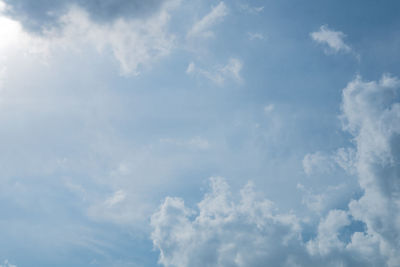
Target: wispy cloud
[(219, 74), (251, 9), (202, 27), (255, 36), (334, 40)]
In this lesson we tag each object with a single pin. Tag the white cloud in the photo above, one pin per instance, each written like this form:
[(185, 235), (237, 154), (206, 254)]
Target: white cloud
[(327, 239), (3, 6), (202, 27), (6, 262), (135, 43), (372, 115), (323, 199), (118, 197), (251, 9), (255, 36), (219, 233), (191, 68), (249, 231), (319, 162), (333, 39), (219, 74), (269, 108), (316, 162), (224, 232)]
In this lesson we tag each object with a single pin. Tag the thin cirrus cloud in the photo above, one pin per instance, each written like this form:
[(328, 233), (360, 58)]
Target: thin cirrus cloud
[(202, 27)]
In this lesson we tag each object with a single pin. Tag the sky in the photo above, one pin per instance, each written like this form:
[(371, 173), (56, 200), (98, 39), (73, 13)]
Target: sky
[(183, 133)]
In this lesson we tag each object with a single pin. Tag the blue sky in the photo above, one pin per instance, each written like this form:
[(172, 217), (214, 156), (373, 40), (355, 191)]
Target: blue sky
[(199, 133)]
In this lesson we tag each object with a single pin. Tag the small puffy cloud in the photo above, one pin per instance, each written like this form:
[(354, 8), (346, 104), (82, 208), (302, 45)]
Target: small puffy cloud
[(255, 36), (202, 27), (269, 108), (219, 74), (191, 68), (332, 39)]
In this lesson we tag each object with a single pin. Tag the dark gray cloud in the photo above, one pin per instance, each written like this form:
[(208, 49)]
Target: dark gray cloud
[(39, 14)]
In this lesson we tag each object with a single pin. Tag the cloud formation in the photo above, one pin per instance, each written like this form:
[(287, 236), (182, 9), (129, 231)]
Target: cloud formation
[(223, 232), (135, 43), (202, 27), (334, 40), (251, 231), (319, 162), (371, 112), (219, 74), (42, 14)]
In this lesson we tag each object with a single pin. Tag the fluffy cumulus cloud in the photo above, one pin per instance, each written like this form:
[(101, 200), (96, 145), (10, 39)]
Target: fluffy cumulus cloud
[(334, 40), (225, 232), (252, 232), (371, 112)]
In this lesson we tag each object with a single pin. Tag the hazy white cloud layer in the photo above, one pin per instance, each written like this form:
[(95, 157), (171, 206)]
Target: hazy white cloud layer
[(247, 231)]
